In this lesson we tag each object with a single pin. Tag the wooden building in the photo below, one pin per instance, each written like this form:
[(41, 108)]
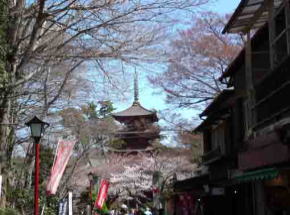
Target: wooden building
[(264, 156), (247, 128)]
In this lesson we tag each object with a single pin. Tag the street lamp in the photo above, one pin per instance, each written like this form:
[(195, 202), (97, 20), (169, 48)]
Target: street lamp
[(37, 128), (91, 178), (174, 180)]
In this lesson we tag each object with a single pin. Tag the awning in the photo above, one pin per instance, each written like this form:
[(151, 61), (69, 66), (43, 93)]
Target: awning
[(262, 174), (250, 14), (194, 183)]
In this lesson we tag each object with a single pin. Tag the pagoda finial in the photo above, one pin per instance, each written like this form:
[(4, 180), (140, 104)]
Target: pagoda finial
[(136, 88)]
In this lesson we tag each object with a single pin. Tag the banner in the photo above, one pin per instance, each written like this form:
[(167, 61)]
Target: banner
[(63, 152), (102, 195), (62, 207), (65, 205), (70, 203), (0, 186)]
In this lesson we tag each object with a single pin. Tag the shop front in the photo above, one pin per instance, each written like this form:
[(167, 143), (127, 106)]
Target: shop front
[(190, 196), (271, 193)]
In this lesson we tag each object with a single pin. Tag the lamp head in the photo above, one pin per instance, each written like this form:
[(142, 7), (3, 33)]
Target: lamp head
[(37, 127), (91, 176)]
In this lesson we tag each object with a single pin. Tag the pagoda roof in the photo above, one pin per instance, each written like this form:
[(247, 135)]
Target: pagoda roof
[(136, 110)]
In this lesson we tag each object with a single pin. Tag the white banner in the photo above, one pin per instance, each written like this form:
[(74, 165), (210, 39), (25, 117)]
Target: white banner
[(63, 153), (0, 185), (70, 203)]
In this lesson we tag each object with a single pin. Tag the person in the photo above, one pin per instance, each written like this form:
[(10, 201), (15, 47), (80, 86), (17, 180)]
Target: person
[(138, 212), (132, 212), (148, 212)]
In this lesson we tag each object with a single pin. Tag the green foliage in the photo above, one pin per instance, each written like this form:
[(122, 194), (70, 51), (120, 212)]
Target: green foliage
[(89, 110), (106, 108), (51, 204), (8, 211), (93, 111), (46, 156), (22, 198), (117, 143), (102, 211)]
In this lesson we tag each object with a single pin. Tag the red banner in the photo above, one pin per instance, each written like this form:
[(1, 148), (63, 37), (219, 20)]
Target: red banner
[(63, 152), (102, 195)]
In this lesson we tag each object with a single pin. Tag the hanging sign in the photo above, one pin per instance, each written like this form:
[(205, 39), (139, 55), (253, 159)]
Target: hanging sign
[(102, 195), (217, 191)]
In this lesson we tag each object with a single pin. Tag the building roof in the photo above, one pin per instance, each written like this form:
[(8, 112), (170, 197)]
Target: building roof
[(194, 184), (250, 14), (220, 101), (219, 105), (135, 110), (234, 65), (240, 59)]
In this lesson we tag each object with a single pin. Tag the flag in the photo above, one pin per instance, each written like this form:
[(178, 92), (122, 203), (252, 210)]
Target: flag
[(102, 195), (0, 185), (63, 153)]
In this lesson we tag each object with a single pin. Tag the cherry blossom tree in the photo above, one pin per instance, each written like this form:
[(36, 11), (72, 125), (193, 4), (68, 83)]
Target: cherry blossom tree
[(131, 175), (196, 59), (47, 42)]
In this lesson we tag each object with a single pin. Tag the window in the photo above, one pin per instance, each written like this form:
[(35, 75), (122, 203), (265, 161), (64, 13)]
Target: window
[(218, 138)]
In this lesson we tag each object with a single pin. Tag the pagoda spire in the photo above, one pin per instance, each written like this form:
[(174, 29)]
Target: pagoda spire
[(136, 88)]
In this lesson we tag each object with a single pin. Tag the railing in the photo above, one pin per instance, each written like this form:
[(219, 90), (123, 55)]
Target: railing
[(212, 155), (272, 95)]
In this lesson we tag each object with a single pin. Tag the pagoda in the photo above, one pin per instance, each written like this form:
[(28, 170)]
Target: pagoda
[(139, 130)]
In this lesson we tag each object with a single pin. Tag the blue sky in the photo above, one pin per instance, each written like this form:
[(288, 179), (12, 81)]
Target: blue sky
[(151, 100), (148, 97), (225, 6)]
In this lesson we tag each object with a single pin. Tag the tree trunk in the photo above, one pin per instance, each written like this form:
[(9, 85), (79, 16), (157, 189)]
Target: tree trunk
[(4, 130)]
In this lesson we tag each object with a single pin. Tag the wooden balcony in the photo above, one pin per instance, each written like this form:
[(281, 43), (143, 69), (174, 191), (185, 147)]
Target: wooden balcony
[(272, 96), (212, 156)]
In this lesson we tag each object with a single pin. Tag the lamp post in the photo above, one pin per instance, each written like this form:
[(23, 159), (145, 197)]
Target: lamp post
[(37, 128), (91, 178), (174, 180)]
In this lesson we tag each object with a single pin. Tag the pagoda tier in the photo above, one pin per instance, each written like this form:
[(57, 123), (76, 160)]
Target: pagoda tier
[(135, 111), (139, 128)]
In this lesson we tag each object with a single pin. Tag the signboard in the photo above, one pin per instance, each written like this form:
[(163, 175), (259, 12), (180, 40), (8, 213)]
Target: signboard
[(217, 191), (102, 195), (62, 207), (65, 205)]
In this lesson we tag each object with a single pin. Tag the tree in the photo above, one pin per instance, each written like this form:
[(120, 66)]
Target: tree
[(131, 175), (193, 143), (88, 126), (196, 60), (47, 41)]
